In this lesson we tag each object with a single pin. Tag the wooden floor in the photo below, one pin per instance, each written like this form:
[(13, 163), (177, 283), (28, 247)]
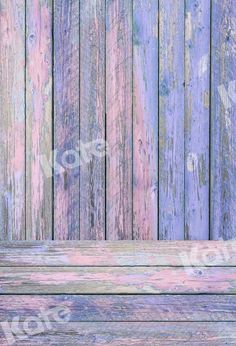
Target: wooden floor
[(118, 293)]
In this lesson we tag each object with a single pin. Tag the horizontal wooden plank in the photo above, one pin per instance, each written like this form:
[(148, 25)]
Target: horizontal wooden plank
[(126, 333), (117, 280), (118, 253), (149, 308)]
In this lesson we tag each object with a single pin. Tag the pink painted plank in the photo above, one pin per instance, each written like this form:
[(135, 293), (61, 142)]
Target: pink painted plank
[(119, 118), (223, 130), (123, 333), (92, 118), (145, 120), (38, 118), (197, 119), (66, 119), (171, 120), (118, 253), (12, 124), (118, 280)]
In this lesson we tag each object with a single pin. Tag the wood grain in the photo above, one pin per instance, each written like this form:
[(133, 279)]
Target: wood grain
[(139, 333), (223, 129), (145, 119), (118, 280), (119, 119), (92, 118), (66, 119), (128, 253), (197, 119), (12, 125), (38, 118), (148, 308), (171, 120)]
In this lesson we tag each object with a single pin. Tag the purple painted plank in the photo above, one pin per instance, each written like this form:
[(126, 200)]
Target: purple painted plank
[(197, 116), (12, 124), (171, 120), (223, 130), (66, 118), (38, 118), (119, 118), (92, 118), (119, 333), (145, 119), (105, 308)]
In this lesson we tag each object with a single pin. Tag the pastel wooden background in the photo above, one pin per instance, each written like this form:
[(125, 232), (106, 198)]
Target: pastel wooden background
[(148, 77)]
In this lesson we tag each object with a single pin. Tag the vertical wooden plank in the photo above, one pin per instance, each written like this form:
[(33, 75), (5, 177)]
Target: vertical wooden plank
[(119, 118), (171, 120), (197, 73), (38, 118), (145, 119), (223, 124), (12, 124), (66, 119), (92, 124)]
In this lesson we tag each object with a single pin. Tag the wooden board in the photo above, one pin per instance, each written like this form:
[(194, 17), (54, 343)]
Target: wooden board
[(118, 280), (119, 119), (38, 118), (114, 308), (145, 119), (171, 120), (92, 119), (66, 119), (223, 130), (155, 80), (197, 118), (12, 124), (122, 253), (122, 333)]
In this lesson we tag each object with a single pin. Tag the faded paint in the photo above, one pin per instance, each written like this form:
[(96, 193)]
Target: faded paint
[(38, 119)]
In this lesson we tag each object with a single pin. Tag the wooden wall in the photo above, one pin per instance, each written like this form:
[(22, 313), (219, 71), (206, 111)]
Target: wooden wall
[(155, 79)]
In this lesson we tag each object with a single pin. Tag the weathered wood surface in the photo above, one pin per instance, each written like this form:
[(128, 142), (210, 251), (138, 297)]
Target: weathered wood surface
[(119, 119), (12, 120), (197, 118), (92, 118), (38, 118), (155, 79), (145, 119), (148, 308), (118, 280), (66, 119), (134, 333), (122, 253), (223, 130), (171, 120)]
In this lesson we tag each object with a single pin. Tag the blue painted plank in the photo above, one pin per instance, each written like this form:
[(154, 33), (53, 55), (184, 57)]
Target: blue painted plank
[(145, 119), (171, 120), (223, 123), (119, 119), (197, 118)]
